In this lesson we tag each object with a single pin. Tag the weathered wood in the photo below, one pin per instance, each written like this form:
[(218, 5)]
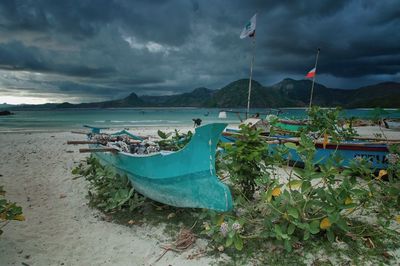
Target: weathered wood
[(105, 149)]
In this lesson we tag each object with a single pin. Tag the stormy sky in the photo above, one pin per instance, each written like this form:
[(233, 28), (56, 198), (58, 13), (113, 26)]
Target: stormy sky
[(89, 50)]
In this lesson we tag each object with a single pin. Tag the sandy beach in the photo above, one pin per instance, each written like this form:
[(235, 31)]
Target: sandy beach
[(60, 228)]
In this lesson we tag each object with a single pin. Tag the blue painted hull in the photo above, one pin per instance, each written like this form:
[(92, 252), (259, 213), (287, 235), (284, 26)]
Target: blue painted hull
[(185, 178), (375, 153)]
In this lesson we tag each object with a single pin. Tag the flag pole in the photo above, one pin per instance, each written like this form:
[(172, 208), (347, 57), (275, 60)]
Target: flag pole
[(251, 75), (313, 80)]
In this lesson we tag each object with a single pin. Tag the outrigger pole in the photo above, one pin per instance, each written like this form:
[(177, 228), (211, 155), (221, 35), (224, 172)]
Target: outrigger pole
[(313, 80), (251, 75)]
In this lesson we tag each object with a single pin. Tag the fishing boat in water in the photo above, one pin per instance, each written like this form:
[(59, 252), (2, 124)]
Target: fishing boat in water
[(183, 178)]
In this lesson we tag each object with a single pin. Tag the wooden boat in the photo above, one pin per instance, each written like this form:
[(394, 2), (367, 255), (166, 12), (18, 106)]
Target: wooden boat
[(347, 151), (290, 125), (184, 178), (375, 152)]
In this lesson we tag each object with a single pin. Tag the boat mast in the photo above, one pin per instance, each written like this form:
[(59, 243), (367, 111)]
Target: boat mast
[(251, 74), (313, 80)]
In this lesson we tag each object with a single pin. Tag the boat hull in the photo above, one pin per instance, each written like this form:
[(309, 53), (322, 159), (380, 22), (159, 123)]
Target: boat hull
[(374, 153), (185, 178)]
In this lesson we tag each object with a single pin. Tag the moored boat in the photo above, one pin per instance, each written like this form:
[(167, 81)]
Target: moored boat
[(395, 125), (183, 178), (374, 152), (290, 125)]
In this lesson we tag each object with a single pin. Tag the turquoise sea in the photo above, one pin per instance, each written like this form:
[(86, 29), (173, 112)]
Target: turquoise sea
[(66, 119)]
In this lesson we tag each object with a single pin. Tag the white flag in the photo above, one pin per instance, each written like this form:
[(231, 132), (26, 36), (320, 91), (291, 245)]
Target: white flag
[(250, 29)]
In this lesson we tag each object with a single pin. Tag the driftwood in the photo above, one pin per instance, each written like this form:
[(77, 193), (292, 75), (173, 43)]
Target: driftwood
[(185, 239)]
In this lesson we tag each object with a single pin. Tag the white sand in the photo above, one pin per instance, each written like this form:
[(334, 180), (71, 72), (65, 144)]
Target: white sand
[(60, 229), (36, 173)]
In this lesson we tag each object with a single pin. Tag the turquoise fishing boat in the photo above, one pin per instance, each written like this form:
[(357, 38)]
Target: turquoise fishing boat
[(290, 125), (183, 178), (376, 153)]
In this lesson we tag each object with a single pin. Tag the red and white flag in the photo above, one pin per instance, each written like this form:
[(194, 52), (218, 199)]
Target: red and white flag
[(250, 29), (311, 73)]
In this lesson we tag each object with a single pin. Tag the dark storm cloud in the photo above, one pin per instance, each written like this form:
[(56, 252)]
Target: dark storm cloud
[(16, 56), (157, 47)]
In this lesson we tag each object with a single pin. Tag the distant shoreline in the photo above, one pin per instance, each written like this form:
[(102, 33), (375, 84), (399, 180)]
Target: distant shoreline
[(18, 109)]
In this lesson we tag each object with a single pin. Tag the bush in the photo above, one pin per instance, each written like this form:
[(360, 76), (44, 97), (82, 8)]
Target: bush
[(8, 211)]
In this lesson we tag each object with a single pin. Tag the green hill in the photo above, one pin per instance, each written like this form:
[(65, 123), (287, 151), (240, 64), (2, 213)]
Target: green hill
[(286, 93)]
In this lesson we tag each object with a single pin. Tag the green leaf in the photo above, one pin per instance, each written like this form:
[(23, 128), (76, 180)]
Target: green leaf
[(330, 235), (334, 217), (290, 145), (238, 242), (291, 229), (305, 186), (278, 231), (306, 235), (342, 224), (229, 242), (293, 212), (287, 245), (269, 194), (162, 134), (314, 227), (295, 184)]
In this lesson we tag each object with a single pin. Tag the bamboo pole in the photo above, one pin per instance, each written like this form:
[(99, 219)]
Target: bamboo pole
[(106, 149)]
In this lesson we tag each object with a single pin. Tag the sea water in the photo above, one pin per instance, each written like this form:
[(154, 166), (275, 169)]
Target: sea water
[(67, 119)]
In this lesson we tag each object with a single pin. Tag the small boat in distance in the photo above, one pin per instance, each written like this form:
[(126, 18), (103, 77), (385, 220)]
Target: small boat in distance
[(183, 178), (395, 125)]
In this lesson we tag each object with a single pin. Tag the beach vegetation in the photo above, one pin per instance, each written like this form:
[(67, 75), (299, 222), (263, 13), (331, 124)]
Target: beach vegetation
[(108, 190), (317, 214), (243, 160), (300, 210), (9, 211), (173, 141), (327, 124)]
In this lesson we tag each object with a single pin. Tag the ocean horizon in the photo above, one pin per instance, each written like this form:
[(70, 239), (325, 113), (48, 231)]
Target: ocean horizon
[(66, 119)]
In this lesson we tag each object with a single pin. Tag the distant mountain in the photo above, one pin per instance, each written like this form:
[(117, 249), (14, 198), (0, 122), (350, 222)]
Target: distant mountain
[(287, 93), (199, 97), (4, 106)]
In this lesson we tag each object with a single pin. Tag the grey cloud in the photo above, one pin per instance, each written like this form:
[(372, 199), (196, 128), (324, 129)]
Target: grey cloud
[(95, 47)]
